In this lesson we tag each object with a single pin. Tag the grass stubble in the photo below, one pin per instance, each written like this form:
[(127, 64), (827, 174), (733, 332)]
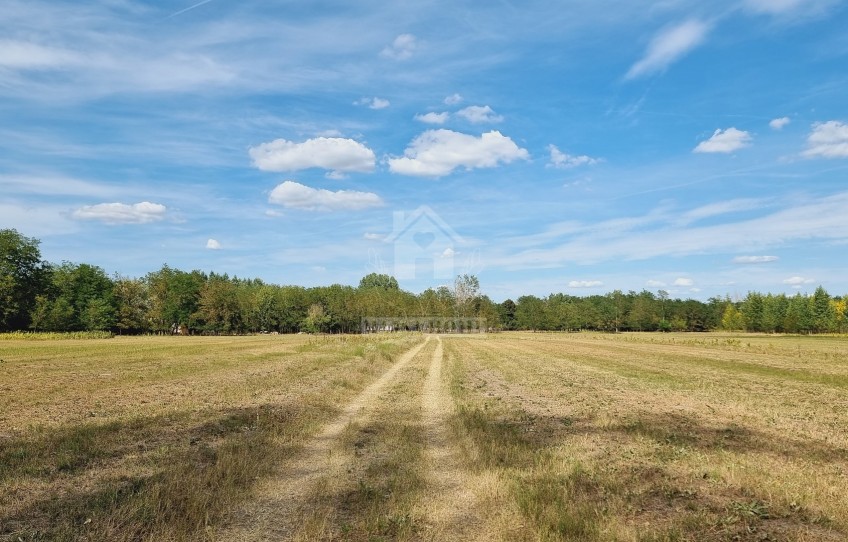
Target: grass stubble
[(611, 437), (161, 438), (634, 437)]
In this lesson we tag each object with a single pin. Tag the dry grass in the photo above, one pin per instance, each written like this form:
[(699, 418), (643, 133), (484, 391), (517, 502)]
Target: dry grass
[(646, 437), (158, 438), (521, 436)]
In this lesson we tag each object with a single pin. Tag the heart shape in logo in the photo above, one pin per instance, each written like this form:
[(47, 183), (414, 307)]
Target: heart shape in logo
[(424, 239)]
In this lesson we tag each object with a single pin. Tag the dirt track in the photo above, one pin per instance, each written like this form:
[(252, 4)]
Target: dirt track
[(280, 503)]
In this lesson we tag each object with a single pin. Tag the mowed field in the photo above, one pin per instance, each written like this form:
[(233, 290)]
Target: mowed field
[(512, 436)]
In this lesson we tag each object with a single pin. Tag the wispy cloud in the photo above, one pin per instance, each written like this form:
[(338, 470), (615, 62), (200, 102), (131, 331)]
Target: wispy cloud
[(122, 213), (668, 46), (797, 282), (747, 260), (453, 99), (373, 103), (180, 12), (660, 235), (479, 114), (563, 160), (402, 48), (585, 283)]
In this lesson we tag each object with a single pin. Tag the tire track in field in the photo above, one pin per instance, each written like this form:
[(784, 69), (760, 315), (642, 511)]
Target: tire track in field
[(273, 513), (452, 508)]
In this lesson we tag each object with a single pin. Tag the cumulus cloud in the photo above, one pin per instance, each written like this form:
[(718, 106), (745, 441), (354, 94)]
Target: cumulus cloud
[(333, 153), (294, 195), (121, 213), (562, 160), (433, 118), (828, 140), (668, 46), (797, 282), (449, 253), (585, 283), (745, 260), (682, 281), (479, 114), (401, 48), (725, 141), (453, 99), (213, 244), (778, 124), (373, 103), (436, 153)]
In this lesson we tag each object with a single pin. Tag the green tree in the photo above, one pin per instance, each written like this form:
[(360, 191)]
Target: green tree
[(530, 313), (316, 320), (378, 280), (23, 276), (131, 305), (822, 313), (219, 310)]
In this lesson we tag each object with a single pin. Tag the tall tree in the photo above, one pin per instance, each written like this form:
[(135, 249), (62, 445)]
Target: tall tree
[(23, 276), (378, 280)]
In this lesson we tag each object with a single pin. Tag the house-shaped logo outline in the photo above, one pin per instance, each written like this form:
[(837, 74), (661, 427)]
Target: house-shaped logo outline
[(407, 250)]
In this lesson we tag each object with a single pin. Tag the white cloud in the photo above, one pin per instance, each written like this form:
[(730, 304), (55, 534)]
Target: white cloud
[(401, 48), (453, 99), (658, 233), (745, 260), (668, 46), (797, 282), (373, 103), (26, 55), (562, 160), (585, 283), (294, 195), (655, 284), (725, 141), (213, 244), (778, 124), (121, 213), (711, 210), (682, 281), (433, 118), (828, 140), (479, 114), (333, 153), (373, 236), (435, 153)]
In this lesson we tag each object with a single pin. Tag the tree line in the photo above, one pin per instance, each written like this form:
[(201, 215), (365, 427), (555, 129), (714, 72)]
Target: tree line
[(41, 296)]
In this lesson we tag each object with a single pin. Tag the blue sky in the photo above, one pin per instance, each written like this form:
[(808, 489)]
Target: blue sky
[(578, 147)]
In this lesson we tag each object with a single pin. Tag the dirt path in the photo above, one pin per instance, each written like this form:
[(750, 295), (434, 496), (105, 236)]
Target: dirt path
[(451, 508), (273, 514)]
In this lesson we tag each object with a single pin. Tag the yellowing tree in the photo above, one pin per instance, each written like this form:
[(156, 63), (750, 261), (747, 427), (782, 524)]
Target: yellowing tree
[(732, 319)]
